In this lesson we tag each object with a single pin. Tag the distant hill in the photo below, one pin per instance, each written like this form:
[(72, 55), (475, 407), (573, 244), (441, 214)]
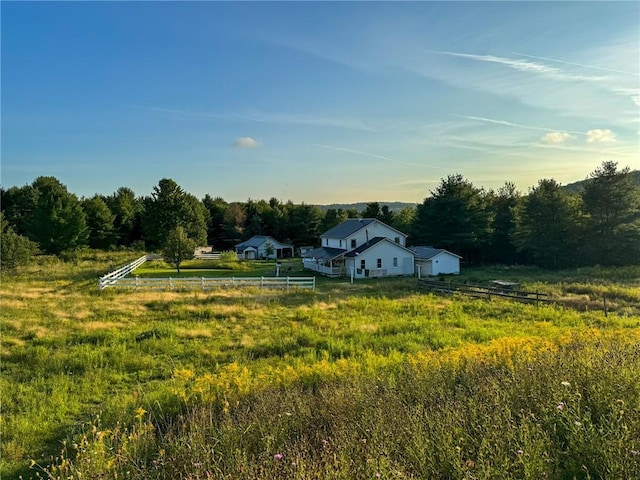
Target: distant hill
[(577, 187), (360, 206)]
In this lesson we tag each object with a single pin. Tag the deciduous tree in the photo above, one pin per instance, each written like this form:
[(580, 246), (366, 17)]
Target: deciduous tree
[(178, 247)]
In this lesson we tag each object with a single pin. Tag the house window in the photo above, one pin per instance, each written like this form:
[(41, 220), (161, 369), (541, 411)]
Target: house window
[(353, 243), (395, 261), (326, 241), (397, 240), (340, 243), (362, 264), (379, 263)]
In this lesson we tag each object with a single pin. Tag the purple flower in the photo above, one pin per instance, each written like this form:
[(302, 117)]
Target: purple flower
[(278, 456)]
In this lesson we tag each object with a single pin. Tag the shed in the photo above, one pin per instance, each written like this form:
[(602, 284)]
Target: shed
[(435, 261)]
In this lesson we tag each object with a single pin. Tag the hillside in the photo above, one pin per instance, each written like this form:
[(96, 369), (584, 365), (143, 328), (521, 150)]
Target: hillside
[(577, 187), (360, 206)]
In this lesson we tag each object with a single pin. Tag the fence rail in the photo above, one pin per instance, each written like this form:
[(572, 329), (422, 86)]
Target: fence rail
[(208, 256), (112, 278), (482, 292), (204, 283)]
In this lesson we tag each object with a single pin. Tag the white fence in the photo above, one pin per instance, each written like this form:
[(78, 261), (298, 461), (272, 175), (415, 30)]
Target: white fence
[(204, 283), (208, 256), (111, 279)]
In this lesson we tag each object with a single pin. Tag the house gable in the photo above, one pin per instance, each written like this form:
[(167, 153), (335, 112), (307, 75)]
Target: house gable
[(354, 232)]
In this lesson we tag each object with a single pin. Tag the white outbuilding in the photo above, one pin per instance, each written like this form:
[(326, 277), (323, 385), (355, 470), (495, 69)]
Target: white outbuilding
[(431, 261)]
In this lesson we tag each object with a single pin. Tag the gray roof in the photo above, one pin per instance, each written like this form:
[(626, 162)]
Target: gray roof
[(426, 253), (258, 240), (324, 253), (371, 243), (365, 246), (348, 227)]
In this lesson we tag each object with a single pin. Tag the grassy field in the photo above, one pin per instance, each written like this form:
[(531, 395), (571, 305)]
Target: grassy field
[(371, 380)]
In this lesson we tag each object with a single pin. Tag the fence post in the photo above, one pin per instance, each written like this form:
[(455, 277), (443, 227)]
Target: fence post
[(262, 282), (606, 312), (170, 284), (136, 282), (314, 283), (287, 282), (203, 284), (537, 298)]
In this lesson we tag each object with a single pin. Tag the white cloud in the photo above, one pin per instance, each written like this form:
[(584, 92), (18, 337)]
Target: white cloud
[(245, 142), (556, 137), (599, 135)]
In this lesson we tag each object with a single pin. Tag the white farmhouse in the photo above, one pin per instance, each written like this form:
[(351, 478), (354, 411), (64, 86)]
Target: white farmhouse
[(360, 248), (434, 261), (262, 247)]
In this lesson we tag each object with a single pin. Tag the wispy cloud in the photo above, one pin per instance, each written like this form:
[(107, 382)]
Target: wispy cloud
[(306, 119), (525, 66), (375, 155), (245, 142), (276, 118), (594, 67), (511, 124)]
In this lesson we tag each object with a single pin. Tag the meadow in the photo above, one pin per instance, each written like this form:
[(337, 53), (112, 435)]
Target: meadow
[(370, 380)]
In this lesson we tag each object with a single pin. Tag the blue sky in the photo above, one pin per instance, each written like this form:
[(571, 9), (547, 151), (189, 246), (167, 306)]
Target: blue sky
[(316, 102)]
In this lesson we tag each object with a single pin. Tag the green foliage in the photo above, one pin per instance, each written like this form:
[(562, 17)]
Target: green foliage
[(611, 201), (169, 207), (548, 225), (511, 410), (16, 250), (57, 221), (454, 217), (178, 247), (127, 210), (100, 222)]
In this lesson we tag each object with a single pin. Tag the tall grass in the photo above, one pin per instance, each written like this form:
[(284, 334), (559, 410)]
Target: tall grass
[(511, 409), (71, 354)]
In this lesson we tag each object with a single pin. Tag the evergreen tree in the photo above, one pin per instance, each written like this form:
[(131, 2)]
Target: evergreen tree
[(215, 227), (611, 200), (168, 207), (57, 222), (100, 221), (386, 215), (372, 211), (548, 225), (504, 204), (18, 204), (127, 210), (454, 217), (15, 250)]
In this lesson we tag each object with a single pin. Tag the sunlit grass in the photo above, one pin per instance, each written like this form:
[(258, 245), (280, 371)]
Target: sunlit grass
[(70, 352)]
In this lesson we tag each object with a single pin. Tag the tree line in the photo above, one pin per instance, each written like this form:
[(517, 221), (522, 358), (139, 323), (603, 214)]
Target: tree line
[(549, 226)]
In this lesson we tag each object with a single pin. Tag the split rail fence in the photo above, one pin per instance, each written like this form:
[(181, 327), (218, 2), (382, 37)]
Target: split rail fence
[(478, 291)]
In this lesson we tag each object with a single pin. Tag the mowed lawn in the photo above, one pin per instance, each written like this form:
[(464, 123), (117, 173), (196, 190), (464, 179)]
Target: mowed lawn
[(76, 361)]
